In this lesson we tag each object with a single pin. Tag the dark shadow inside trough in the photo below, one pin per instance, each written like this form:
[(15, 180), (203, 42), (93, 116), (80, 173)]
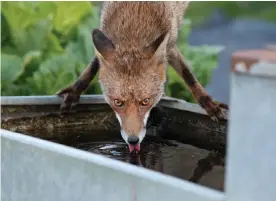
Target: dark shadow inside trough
[(181, 143)]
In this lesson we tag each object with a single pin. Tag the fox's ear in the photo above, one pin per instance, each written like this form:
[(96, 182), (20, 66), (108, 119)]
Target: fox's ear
[(103, 45), (158, 47)]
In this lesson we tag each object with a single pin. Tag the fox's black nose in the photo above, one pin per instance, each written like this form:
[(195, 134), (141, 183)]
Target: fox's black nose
[(132, 140)]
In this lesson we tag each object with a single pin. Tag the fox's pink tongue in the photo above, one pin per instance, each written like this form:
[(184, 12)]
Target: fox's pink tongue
[(134, 148)]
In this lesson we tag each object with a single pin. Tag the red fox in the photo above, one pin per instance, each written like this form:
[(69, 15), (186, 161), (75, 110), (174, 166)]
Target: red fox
[(134, 44)]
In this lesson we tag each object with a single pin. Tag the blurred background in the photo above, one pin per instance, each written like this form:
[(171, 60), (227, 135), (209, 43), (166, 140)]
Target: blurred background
[(46, 45)]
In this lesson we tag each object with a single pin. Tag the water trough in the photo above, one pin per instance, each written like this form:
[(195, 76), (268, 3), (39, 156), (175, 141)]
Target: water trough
[(34, 167)]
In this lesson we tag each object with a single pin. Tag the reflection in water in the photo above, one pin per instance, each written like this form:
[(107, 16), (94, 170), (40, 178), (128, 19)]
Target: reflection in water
[(206, 165), (173, 158), (149, 156)]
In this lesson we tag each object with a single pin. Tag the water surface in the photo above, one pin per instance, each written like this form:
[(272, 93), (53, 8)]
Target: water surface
[(169, 157)]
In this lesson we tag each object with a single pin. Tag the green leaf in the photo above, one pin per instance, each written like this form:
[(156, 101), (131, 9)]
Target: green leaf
[(85, 44), (45, 9), (53, 74), (52, 46), (11, 69), (33, 38), (5, 32), (73, 48), (68, 14), (31, 62), (93, 19), (18, 15)]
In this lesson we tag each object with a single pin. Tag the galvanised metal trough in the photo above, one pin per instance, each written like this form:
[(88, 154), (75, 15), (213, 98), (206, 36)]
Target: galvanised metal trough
[(35, 167)]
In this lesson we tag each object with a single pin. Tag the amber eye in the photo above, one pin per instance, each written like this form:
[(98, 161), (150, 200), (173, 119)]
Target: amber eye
[(145, 102), (118, 103)]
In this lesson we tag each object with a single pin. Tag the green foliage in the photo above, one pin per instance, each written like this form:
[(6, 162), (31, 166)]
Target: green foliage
[(202, 60), (265, 10), (46, 45)]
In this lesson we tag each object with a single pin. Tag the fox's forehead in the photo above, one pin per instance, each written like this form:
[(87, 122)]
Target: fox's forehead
[(132, 75), (128, 86)]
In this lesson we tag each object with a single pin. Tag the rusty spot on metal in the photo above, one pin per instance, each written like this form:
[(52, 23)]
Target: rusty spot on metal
[(246, 58)]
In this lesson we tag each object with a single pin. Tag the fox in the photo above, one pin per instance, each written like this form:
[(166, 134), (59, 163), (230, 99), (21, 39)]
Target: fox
[(134, 44)]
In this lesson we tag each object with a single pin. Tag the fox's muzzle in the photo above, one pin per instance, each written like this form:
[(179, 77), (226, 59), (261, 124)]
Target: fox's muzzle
[(135, 132), (133, 139), (133, 127)]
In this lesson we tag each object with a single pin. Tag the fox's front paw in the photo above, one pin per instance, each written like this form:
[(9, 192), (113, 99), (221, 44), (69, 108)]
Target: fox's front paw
[(70, 98), (216, 110)]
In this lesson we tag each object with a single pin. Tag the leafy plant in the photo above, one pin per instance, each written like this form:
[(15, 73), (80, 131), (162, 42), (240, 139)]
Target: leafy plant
[(46, 45), (199, 11), (202, 60)]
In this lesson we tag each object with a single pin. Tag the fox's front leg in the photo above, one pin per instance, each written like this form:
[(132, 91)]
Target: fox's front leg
[(213, 108), (71, 94)]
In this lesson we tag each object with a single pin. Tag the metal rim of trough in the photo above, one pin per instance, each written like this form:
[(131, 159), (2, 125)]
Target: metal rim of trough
[(96, 99)]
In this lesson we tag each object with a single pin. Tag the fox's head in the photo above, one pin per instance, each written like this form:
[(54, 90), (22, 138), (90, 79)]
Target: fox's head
[(132, 81)]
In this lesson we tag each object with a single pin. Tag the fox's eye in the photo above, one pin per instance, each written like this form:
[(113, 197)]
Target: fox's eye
[(118, 103), (145, 102)]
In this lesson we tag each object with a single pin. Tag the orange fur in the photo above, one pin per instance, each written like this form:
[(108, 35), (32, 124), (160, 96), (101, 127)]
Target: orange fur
[(133, 55), (134, 44)]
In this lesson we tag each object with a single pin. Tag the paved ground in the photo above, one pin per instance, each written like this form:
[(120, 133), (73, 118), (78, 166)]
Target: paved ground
[(234, 35)]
